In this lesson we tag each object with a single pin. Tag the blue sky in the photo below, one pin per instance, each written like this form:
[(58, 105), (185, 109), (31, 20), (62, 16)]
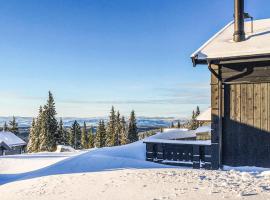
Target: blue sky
[(93, 54)]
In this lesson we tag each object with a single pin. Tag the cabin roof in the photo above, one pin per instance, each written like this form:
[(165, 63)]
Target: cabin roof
[(222, 47), (11, 139), (205, 116), (4, 146)]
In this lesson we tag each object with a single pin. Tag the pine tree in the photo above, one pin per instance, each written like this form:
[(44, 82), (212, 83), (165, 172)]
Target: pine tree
[(198, 112), (48, 126), (172, 125), (194, 124), (60, 137), (84, 138), (111, 129), (37, 131), (31, 140), (75, 135), (178, 124), (71, 138), (132, 128), (13, 126), (117, 138), (91, 138), (52, 122), (123, 132), (44, 132), (5, 127), (100, 138)]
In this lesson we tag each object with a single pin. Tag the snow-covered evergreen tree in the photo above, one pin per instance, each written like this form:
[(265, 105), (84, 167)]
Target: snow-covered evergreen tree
[(100, 138), (84, 138), (60, 137), (13, 126), (123, 132), (5, 127), (111, 129), (37, 131), (178, 124), (75, 135), (48, 126), (91, 138), (193, 123), (31, 141), (132, 128), (117, 138)]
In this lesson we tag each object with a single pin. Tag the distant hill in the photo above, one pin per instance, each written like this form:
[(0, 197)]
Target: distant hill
[(25, 122)]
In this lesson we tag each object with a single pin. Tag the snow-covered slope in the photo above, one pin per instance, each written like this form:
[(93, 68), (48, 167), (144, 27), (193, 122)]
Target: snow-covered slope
[(130, 156), (119, 173)]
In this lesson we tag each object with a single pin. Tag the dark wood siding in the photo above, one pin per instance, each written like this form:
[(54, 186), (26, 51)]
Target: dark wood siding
[(248, 72), (216, 110), (246, 130)]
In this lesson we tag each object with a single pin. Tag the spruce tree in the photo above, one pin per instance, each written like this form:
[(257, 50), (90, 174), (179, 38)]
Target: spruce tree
[(91, 139), (198, 112), (71, 137), (13, 126), (60, 137), (5, 127), (84, 138), (31, 139), (100, 138), (44, 131), (117, 138), (194, 124), (111, 129), (75, 135), (123, 132), (132, 128), (178, 124), (52, 122), (37, 131), (48, 126)]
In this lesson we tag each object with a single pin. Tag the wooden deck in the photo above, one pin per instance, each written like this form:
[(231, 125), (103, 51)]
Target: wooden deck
[(196, 154)]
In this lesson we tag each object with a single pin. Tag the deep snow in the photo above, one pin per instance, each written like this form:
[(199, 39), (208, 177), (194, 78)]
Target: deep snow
[(121, 173), (130, 156)]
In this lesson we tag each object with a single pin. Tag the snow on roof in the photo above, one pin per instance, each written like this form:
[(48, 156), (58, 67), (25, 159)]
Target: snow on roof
[(205, 116), (11, 139), (203, 129), (193, 142), (222, 46), (3, 145), (171, 135)]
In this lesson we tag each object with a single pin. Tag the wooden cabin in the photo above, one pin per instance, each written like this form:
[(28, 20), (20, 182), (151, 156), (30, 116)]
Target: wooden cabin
[(204, 131), (238, 58), (11, 144)]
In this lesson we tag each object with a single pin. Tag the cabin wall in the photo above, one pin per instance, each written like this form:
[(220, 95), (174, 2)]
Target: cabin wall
[(216, 125), (257, 72), (240, 100)]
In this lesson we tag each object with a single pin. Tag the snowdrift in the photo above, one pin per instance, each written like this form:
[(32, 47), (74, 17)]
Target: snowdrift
[(131, 156)]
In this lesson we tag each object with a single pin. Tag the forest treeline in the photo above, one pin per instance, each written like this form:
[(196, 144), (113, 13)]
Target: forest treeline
[(46, 132)]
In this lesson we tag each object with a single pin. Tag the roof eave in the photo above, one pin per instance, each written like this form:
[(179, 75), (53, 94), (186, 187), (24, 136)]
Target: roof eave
[(198, 61), (232, 59)]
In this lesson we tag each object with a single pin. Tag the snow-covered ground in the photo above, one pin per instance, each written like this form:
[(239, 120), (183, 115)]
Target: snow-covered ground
[(121, 173)]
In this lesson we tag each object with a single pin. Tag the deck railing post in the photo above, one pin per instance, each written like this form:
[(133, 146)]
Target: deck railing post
[(196, 157)]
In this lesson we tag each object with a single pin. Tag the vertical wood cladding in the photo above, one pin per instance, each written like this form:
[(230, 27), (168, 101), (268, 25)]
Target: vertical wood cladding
[(246, 133), (241, 114)]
